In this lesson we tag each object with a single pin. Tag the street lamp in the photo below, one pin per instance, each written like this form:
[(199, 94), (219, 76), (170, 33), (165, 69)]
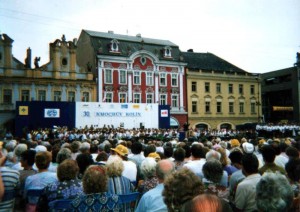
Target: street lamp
[(258, 99)]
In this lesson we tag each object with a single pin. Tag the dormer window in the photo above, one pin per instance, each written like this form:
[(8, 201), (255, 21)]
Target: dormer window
[(167, 51), (114, 46), (143, 60)]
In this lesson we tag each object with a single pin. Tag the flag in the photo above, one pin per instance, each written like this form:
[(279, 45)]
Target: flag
[(23, 110)]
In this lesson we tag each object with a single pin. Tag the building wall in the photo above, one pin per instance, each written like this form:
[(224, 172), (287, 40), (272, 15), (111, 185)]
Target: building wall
[(21, 82), (214, 119)]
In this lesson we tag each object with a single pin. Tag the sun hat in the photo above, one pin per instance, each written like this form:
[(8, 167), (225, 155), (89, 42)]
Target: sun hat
[(121, 150)]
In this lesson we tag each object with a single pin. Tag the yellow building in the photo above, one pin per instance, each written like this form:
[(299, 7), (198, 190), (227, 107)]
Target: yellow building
[(219, 94), (61, 79)]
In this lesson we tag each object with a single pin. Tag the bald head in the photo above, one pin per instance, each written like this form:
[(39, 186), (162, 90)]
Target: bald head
[(164, 168)]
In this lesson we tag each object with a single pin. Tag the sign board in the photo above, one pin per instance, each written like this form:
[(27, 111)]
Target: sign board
[(129, 115)]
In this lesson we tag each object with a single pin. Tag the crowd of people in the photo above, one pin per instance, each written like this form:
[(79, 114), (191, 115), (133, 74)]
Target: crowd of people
[(203, 172)]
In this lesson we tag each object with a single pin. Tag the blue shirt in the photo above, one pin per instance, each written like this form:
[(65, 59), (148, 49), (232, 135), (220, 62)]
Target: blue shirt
[(152, 201)]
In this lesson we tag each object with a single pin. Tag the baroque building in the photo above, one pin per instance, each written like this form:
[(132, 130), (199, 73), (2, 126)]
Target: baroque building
[(220, 95), (61, 79), (136, 69)]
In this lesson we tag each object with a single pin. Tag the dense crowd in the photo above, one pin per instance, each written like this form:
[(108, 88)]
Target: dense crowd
[(208, 170)]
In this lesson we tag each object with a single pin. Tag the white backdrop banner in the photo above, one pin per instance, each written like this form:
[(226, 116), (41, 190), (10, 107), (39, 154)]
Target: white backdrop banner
[(129, 115)]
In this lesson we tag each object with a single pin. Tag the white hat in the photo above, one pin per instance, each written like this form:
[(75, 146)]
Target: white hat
[(40, 148), (248, 147)]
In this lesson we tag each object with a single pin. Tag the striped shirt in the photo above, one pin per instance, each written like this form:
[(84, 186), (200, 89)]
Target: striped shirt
[(10, 180)]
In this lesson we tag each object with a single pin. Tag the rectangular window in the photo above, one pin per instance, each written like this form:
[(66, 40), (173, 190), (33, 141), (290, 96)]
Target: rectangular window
[(41, 95), (218, 87), (231, 107), (136, 77), (163, 79), (194, 86), (85, 97), (242, 107), (108, 76), (163, 99), (253, 107), (122, 97), (194, 106), (149, 78), (230, 88), (174, 101), (57, 96), (71, 96), (241, 89), (219, 107), (252, 90), (149, 98), (207, 87), (207, 107), (7, 96), (123, 77), (136, 98), (108, 97), (174, 80), (25, 95)]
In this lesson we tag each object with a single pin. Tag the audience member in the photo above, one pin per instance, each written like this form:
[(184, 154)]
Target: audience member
[(246, 190), (180, 187), (269, 155), (148, 171), (153, 199), (274, 193), (68, 186), (96, 196), (197, 160)]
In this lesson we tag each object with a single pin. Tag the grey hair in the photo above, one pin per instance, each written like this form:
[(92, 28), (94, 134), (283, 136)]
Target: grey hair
[(114, 166), (212, 154), (274, 193), (19, 149), (84, 146), (148, 167), (63, 154)]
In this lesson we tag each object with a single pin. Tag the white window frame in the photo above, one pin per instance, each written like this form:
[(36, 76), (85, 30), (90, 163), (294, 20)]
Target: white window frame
[(137, 98), (164, 100), (25, 95), (149, 78), (42, 95), (174, 77), (56, 97), (136, 77), (85, 96), (125, 98), (174, 100), (108, 96), (163, 76), (122, 77), (71, 98), (149, 98), (106, 76)]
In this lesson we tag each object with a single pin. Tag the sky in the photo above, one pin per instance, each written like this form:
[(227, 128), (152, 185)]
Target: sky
[(258, 36)]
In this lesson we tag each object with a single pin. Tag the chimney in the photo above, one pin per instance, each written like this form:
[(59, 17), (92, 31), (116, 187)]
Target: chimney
[(110, 32), (190, 50), (75, 41), (139, 35)]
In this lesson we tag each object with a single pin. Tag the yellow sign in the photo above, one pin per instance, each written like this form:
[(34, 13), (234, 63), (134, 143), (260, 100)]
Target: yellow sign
[(23, 110), (136, 106), (281, 108)]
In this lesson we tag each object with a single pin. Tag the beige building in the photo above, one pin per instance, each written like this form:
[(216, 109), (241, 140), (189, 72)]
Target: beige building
[(219, 94), (61, 79)]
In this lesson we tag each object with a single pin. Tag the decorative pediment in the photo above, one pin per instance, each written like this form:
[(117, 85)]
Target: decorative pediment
[(175, 90), (123, 88), (136, 67), (108, 65), (122, 66), (149, 68), (149, 90), (163, 90), (108, 87), (137, 89)]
